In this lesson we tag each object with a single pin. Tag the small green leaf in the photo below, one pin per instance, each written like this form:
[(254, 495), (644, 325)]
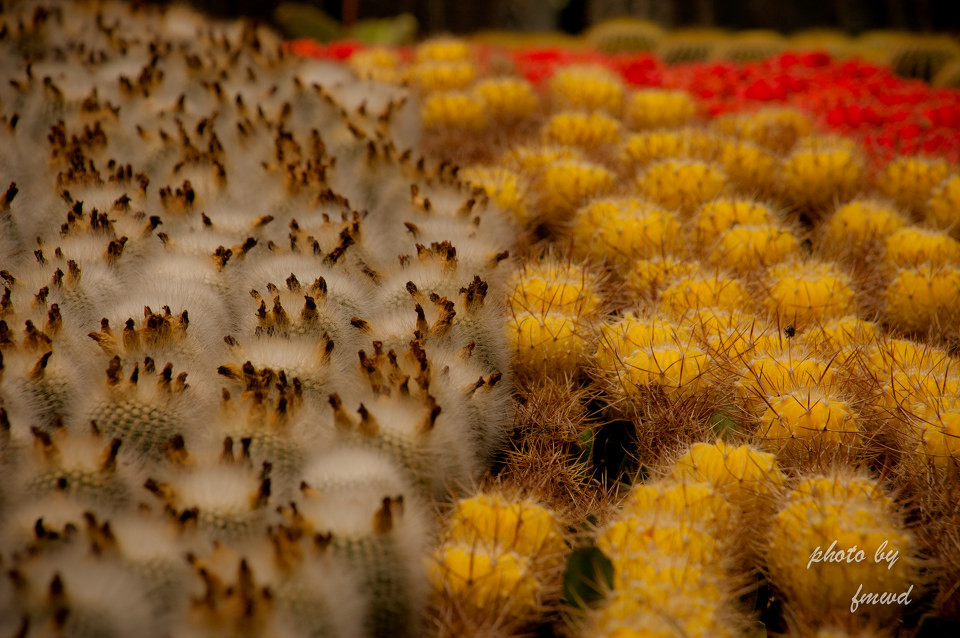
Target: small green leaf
[(722, 424), (589, 576)]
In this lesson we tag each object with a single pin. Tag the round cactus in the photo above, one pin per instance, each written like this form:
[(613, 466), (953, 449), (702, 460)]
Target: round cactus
[(926, 297), (801, 295), (820, 177), (834, 544), (507, 99), (453, 110), (943, 205), (809, 423), (565, 184), (682, 185), (748, 247), (640, 149), (912, 246), (909, 181), (591, 88), (701, 291), (588, 131), (622, 230), (433, 75), (653, 109)]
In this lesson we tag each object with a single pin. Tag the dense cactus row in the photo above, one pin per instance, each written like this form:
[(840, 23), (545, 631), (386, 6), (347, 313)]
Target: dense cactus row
[(749, 276), (260, 343)]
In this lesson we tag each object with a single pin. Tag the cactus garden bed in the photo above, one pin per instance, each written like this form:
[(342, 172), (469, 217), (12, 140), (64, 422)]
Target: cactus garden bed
[(473, 339)]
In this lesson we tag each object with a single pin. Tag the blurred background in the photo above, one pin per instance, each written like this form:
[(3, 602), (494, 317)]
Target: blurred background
[(574, 16)]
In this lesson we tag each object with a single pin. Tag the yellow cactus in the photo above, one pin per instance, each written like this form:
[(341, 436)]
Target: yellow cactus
[(682, 185), (771, 374), (808, 421), (944, 203), (632, 537), (556, 288), (522, 527), (505, 187), (939, 434), (587, 87), (643, 148), (376, 63), (842, 337), (547, 344), (696, 505), (694, 606), (442, 50), (703, 290), (819, 177), (649, 276), (629, 334), (716, 217), (582, 130), (745, 248), (731, 335), (678, 370), (910, 181), (825, 552), (750, 167), (914, 246), (658, 108), (777, 129), (921, 298), (624, 229), (533, 160), (507, 98), (739, 473), (802, 295), (452, 110), (485, 580), (441, 76), (566, 184), (861, 221)]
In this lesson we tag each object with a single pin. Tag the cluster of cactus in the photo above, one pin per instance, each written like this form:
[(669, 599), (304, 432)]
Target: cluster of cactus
[(248, 334), (747, 276), (497, 566), (255, 328)]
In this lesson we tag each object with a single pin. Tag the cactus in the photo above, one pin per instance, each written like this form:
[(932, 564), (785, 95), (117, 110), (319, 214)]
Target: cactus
[(702, 290), (943, 204), (624, 34), (818, 177), (915, 247), (640, 149), (624, 229), (777, 129), (435, 76), (507, 99), (682, 185), (588, 131), (857, 225), (587, 88), (748, 247), (655, 109), (922, 298), (567, 183), (909, 181), (809, 423), (845, 514), (800, 295), (456, 110)]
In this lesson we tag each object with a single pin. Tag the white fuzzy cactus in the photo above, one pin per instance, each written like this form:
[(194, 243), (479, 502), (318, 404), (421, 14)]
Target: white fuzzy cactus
[(248, 334)]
